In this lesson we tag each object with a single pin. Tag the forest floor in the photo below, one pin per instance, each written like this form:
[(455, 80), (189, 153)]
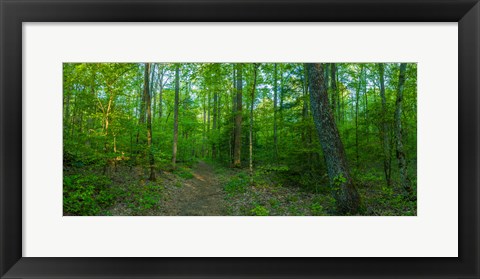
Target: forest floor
[(205, 188), (201, 195)]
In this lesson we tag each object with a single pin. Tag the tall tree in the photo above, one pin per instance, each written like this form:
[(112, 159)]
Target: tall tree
[(234, 111), (402, 162), (275, 101), (385, 128), (252, 97), (175, 115), (346, 195), (146, 92), (215, 112), (237, 149)]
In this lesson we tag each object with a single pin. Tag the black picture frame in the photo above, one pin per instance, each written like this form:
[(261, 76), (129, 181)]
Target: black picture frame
[(14, 12)]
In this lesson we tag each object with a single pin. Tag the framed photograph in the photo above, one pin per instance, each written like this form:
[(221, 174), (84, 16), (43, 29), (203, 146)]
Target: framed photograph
[(239, 139)]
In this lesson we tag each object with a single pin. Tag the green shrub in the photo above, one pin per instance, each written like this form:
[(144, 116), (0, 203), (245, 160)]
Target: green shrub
[(259, 211), (317, 209), (86, 195)]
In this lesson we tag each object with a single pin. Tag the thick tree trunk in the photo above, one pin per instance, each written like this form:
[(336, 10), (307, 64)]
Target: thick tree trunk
[(385, 132), (252, 97), (238, 120), (346, 195), (402, 162), (146, 92), (175, 115)]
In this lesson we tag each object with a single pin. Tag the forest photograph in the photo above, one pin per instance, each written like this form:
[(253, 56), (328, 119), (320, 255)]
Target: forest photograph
[(239, 139)]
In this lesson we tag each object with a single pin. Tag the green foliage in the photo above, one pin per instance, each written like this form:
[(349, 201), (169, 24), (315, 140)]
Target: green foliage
[(317, 209), (86, 195), (259, 210), (142, 199), (237, 185), (184, 173)]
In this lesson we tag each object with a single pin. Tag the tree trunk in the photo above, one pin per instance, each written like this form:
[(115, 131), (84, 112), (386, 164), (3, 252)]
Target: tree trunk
[(251, 121), (346, 195), (365, 91), (160, 93), (307, 131), (402, 162), (275, 101), (334, 89), (357, 102), (175, 115), (234, 108), (387, 154), (238, 120), (146, 92), (215, 117), (204, 135)]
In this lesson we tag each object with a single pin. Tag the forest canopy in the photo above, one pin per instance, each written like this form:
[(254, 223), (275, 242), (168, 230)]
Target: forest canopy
[(239, 139)]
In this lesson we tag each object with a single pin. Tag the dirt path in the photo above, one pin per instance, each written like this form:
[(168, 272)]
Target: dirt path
[(199, 196)]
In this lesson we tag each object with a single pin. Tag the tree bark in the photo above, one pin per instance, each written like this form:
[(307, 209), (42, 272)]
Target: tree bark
[(237, 149), (175, 115), (402, 162), (346, 195)]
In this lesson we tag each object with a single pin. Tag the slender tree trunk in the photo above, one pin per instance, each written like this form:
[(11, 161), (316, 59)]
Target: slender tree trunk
[(251, 121), (367, 129), (175, 115), (357, 102), (387, 154), (234, 107), (402, 162), (307, 131), (66, 114), (275, 101), (141, 117), (204, 136), (219, 123), (146, 92), (160, 93), (215, 118), (346, 195), (339, 98), (237, 149), (334, 89)]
